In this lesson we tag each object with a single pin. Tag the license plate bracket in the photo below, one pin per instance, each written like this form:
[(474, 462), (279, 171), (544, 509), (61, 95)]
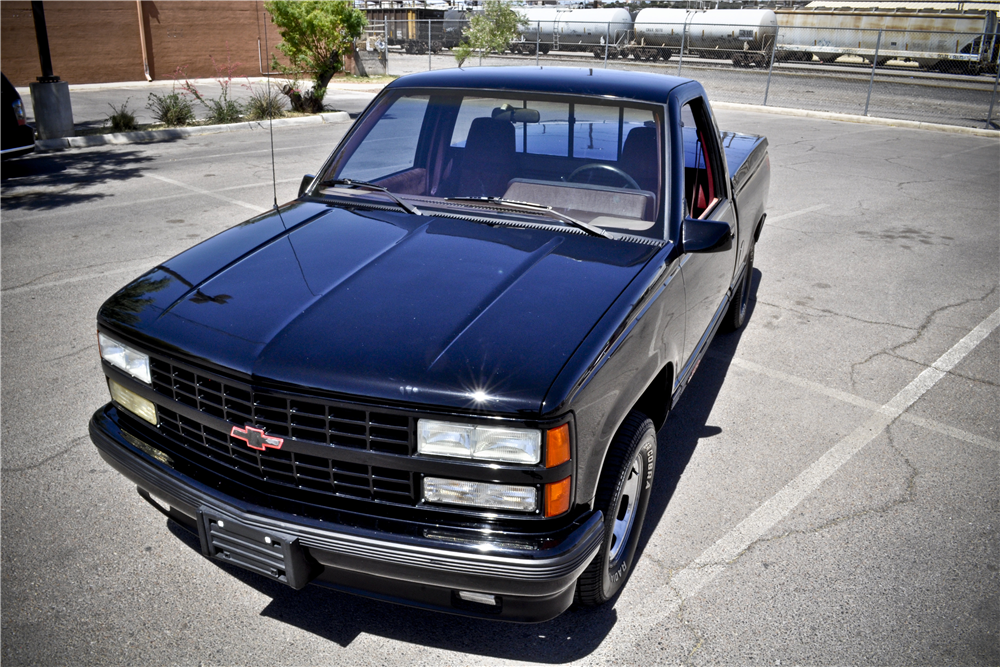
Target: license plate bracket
[(268, 553)]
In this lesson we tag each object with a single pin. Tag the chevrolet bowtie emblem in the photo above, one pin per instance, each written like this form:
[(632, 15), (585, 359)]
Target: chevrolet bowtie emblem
[(256, 438)]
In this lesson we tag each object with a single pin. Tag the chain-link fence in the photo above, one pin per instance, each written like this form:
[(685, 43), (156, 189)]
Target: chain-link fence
[(924, 75)]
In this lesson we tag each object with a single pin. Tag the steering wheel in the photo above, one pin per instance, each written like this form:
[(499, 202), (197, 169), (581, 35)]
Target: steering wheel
[(629, 181)]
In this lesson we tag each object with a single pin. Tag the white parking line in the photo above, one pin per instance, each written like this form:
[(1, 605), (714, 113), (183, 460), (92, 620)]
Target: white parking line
[(72, 211), (137, 267), (209, 193), (923, 422), (795, 214), (716, 558)]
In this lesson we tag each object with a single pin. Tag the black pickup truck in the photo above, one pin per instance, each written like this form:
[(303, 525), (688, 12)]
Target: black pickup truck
[(436, 377)]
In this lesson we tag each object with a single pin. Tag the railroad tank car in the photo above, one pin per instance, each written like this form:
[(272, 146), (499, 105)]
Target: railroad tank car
[(592, 29), (455, 22), (740, 34), (539, 30), (933, 38)]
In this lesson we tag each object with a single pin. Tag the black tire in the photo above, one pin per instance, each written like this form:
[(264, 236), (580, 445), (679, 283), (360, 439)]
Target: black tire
[(736, 316), (623, 496)]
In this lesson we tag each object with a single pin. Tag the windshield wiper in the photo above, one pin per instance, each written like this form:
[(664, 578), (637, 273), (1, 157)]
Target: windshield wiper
[(532, 207), (371, 187)]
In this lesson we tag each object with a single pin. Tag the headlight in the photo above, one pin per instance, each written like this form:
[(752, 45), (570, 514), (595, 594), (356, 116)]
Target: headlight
[(480, 443), (133, 402), (480, 494), (125, 358)]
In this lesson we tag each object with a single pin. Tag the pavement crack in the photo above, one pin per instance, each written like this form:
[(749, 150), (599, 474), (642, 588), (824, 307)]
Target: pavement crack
[(925, 325), (989, 383), (72, 354), (906, 496), (687, 623), (919, 332), (826, 312), (37, 279), (74, 443)]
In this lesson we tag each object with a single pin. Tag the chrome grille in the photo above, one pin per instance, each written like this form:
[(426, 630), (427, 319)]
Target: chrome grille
[(214, 456)]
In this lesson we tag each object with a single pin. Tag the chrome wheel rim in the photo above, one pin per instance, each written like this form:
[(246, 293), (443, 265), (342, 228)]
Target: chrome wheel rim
[(625, 508)]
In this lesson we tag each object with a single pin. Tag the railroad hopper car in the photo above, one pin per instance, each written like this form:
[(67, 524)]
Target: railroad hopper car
[(935, 39)]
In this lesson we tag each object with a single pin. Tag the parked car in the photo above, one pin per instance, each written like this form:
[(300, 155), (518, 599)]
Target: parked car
[(18, 138), (437, 376)]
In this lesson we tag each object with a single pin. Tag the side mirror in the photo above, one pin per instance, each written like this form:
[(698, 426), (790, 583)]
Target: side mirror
[(705, 235), (304, 185)]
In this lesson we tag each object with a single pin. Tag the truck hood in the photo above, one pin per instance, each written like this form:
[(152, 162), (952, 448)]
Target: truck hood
[(383, 305)]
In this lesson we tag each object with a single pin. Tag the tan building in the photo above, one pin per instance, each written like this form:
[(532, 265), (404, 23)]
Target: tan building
[(96, 42)]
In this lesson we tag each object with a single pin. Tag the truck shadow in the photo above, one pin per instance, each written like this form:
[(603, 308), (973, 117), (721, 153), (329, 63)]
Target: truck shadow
[(341, 617), (687, 423)]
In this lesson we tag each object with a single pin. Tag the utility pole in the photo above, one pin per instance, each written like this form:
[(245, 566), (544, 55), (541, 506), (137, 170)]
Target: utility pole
[(49, 96)]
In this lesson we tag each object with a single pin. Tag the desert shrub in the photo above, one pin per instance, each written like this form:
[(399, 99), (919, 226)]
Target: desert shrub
[(172, 109), (263, 103), (221, 109), (122, 119)]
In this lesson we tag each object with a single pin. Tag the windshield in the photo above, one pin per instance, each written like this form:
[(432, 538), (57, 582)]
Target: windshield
[(593, 160)]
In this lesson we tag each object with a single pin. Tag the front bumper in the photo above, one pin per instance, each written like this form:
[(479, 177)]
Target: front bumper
[(530, 582), (20, 142)]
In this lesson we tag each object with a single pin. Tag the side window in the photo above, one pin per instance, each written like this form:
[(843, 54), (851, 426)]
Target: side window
[(701, 186), (391, 145)]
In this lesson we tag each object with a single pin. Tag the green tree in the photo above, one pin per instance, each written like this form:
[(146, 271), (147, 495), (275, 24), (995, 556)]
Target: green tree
[(315, 36), (492, 29)]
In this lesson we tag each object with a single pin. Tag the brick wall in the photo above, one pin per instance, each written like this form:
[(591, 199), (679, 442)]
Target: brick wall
[(98, 42)]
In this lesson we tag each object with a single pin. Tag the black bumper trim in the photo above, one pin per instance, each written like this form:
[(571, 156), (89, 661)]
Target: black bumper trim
[(483, 567)]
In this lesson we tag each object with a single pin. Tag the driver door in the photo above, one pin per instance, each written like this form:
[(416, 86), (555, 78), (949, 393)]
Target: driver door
[(707, 275)]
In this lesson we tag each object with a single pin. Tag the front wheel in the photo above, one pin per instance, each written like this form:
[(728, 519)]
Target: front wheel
[(623, 496)]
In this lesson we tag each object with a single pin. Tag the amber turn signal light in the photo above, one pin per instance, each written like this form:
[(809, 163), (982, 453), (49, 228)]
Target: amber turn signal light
[(557, 497), (556, 446)]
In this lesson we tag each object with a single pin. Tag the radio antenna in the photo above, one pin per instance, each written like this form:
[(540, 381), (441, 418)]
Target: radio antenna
[(270, 116)]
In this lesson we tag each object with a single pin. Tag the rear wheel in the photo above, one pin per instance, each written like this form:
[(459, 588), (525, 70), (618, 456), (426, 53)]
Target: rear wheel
[(736, 316), (622, 495)]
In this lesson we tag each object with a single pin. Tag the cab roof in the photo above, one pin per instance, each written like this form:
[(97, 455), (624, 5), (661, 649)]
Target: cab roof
[(640, 86)]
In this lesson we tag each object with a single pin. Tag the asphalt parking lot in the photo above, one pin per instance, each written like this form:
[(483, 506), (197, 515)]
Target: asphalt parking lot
[(827, 490)]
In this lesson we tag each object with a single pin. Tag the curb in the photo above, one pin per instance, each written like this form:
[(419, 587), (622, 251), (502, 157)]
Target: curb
[(172, 134), (864, 120), (152, 136)]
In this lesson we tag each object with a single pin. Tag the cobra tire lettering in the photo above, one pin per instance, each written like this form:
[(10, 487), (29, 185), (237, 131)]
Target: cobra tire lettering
[(649, 467)]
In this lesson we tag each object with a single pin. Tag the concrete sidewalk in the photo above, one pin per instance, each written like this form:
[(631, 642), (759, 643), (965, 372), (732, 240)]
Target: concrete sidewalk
[(93, 103)]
